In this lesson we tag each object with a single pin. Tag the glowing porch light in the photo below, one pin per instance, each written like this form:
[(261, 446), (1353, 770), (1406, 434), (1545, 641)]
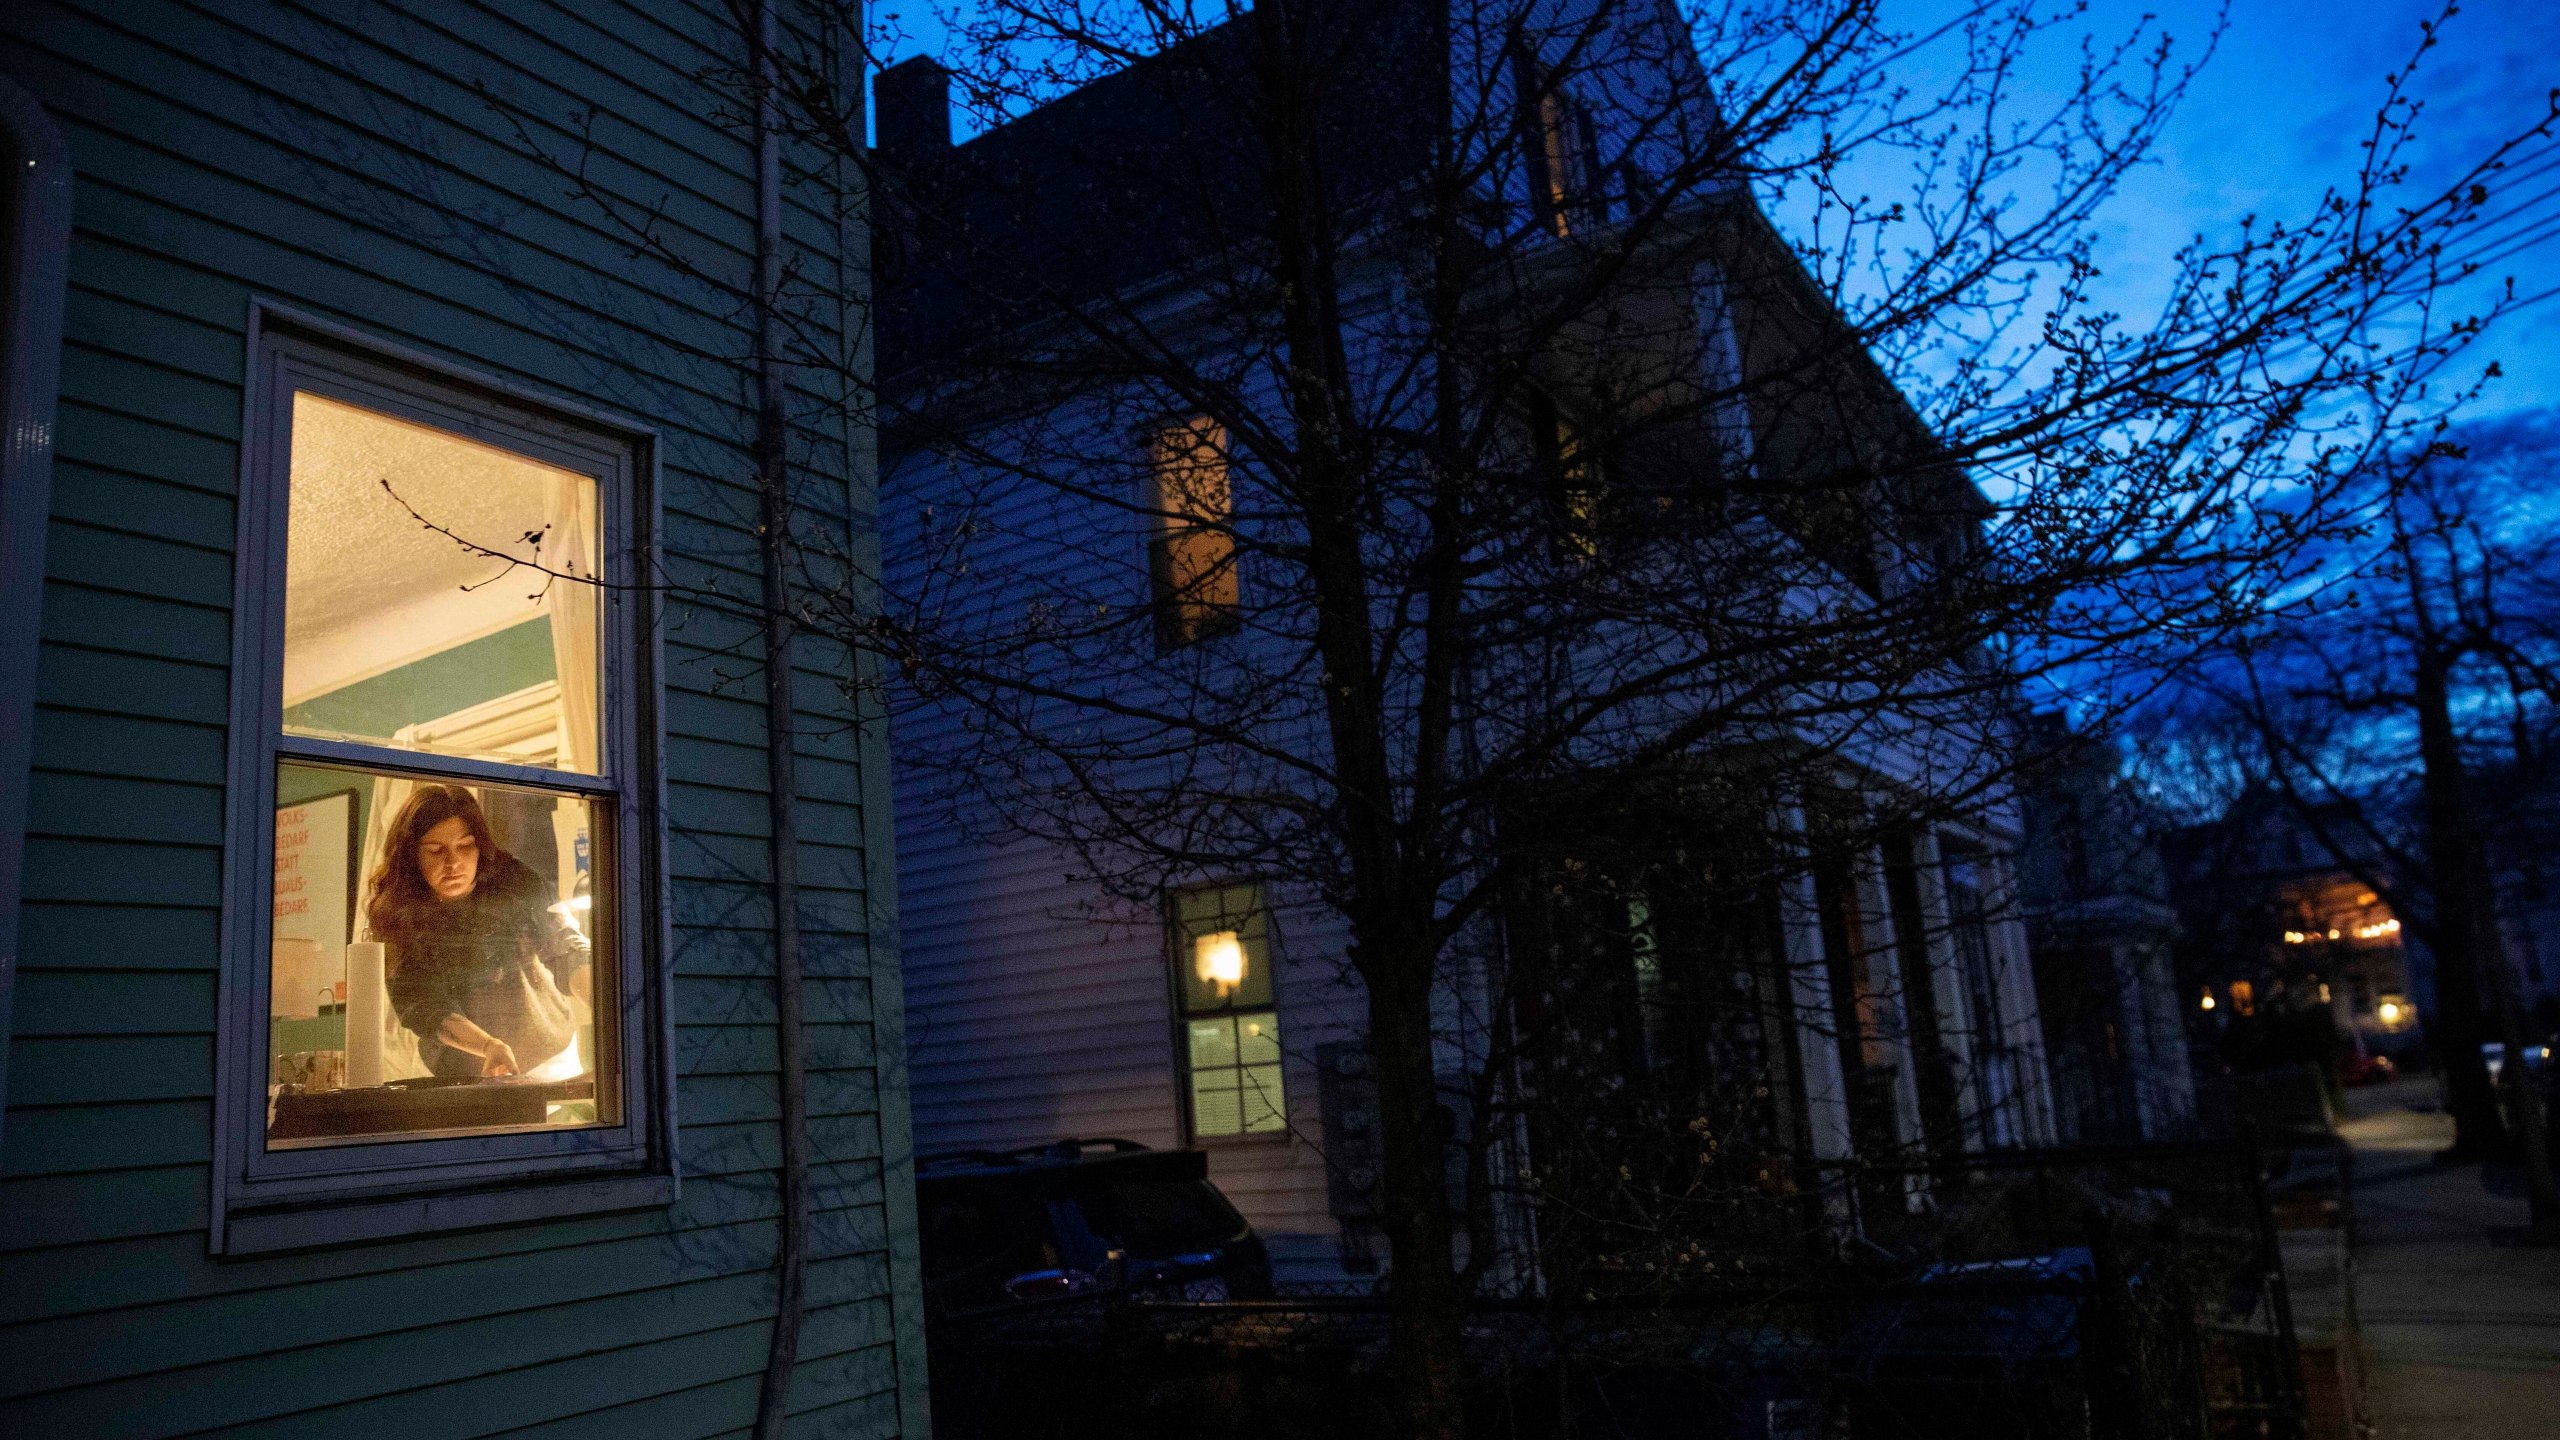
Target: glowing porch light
[(2389, 1012), (2208, 1000), (1218, 959)]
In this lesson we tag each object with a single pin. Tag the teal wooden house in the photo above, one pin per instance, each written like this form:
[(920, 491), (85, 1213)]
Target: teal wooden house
[(398, 830)]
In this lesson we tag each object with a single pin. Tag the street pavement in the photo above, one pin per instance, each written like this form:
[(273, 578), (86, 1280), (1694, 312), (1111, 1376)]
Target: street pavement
[(2461, 1324)]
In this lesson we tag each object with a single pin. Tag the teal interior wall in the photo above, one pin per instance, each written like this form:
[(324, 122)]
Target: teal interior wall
[(468, 674)]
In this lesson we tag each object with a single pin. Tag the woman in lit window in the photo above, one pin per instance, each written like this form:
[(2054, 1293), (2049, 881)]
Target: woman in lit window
[(480, 962)]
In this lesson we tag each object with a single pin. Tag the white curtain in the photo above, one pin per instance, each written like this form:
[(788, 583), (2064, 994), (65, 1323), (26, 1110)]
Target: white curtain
[(572, 606), (571, 603)]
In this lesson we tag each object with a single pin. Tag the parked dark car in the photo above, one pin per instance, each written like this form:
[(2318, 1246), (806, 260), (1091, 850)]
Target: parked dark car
[(1077, 1217)]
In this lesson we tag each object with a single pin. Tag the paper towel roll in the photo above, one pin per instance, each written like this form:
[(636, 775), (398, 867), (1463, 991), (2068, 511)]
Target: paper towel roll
[(367, 1003)]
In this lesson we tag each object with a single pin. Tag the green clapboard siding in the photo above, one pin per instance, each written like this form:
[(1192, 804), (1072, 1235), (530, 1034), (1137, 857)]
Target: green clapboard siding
[(345, 160)]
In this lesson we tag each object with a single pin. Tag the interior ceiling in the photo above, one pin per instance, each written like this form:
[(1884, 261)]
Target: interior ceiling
[(354, 553)]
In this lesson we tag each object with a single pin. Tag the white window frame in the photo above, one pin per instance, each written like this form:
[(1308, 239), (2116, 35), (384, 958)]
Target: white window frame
[(269, 1199), (1177, 958)]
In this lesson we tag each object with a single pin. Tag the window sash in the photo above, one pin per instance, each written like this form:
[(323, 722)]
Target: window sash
[(1251, 923), (1249, 1070), (349, 753), (613, 1045), (292, 353)]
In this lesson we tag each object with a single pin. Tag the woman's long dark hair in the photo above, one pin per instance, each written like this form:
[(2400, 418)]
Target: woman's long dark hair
[(402, 904)]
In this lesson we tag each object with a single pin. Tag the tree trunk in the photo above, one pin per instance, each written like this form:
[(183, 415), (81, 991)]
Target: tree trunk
[(2466, 905), (2524, 1109), (2460, 941), (1426, 1307)]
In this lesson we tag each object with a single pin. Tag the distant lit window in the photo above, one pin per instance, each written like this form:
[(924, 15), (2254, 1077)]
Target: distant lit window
[(1556, 142), (1230, 1029), (1193, 557), (1571, 473)]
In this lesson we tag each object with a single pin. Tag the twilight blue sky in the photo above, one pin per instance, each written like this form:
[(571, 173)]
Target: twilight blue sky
[(2279, 111), (2277, 115)]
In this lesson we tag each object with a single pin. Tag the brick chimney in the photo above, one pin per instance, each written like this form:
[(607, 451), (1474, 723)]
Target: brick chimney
[(912, 102)]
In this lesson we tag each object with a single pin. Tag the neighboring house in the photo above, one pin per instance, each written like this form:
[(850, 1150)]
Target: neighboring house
[(304, 288), (2272, 925), (2102, 927), (1887, 1001)]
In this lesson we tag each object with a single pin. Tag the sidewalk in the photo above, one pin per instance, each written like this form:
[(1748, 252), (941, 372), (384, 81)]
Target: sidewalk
[(2463, 1332)]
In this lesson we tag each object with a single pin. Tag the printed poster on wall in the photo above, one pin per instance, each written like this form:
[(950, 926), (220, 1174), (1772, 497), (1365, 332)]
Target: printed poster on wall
[(315, 881)]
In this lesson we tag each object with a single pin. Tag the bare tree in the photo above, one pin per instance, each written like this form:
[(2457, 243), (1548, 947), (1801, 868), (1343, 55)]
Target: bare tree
[(2433, 652)]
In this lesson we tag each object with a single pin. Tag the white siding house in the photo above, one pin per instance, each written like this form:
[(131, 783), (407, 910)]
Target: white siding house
[(1047, 994)]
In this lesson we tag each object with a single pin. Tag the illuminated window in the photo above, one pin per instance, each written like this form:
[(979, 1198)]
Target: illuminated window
[(1230, 1031), (1193, 557), (444, 691), (1556, 139), (1571, 473)]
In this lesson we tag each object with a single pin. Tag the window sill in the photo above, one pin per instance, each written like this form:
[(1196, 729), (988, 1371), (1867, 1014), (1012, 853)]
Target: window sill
[(357, 1221), (1241, 1142)]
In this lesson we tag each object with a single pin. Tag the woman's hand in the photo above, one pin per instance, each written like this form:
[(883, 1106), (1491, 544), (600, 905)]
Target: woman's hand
[(458, 1033)]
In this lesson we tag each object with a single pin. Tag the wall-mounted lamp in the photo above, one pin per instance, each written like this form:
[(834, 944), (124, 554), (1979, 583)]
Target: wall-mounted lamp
[(1218, 959), (2208, 1000)]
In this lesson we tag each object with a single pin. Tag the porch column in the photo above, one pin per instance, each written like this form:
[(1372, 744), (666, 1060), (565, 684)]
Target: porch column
[(1808, 981), (1886, 1001), (1948, 986), (2023, 1020)]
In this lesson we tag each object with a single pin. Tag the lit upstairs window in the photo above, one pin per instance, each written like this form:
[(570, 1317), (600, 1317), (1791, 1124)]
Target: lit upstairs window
[(1558, 146), (1192, 558), (1570, 472)]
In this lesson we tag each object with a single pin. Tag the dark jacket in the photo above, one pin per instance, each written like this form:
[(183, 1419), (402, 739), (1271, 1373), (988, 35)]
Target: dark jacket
[(499, 957)]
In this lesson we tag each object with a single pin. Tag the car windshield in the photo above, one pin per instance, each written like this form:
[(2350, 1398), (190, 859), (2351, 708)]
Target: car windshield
[(1155, 1214)]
